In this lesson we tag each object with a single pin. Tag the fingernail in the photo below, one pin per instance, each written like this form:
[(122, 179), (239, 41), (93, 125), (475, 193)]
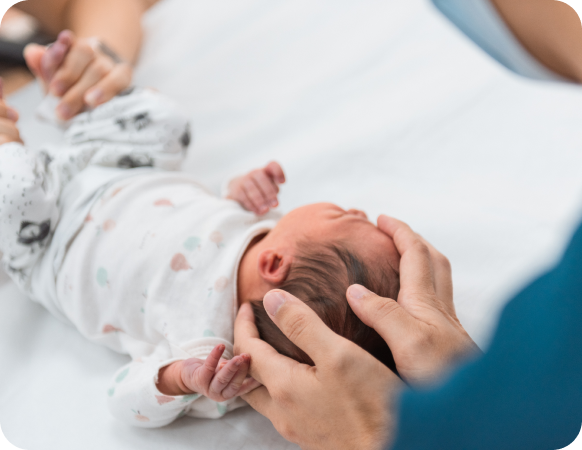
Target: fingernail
[(94, 96), (274, 203), (273, 302), (64, 111), (238, 362), (358, 292)]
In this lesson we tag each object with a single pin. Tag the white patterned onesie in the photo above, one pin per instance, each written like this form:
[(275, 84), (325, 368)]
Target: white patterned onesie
[(138, 259)]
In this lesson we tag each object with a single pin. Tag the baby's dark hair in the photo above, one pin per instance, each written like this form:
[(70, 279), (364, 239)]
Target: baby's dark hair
[(320, 277)]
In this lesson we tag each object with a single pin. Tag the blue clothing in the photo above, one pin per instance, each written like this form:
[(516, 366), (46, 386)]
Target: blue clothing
[(526, 391), (479, 20)]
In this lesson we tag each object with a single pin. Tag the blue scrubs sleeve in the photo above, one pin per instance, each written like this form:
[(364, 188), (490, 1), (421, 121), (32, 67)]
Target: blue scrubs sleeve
[(526, 391)]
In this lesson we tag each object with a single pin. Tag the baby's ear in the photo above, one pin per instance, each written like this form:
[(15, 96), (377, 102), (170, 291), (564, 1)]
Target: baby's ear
[(274, 266)]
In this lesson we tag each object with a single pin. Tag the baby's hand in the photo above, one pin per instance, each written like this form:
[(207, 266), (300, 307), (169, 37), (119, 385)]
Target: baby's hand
[(257, 191), (8, 118), (78, 71), (215, 378)]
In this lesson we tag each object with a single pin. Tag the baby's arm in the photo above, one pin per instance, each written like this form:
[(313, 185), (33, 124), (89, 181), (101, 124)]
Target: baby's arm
[(139, 129), (146, 392), (28, 200), (257, 191)]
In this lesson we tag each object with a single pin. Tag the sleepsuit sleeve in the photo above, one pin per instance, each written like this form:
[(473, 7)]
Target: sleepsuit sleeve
[(138, 129)]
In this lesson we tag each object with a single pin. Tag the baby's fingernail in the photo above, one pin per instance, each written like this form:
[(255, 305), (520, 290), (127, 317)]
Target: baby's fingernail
[(273, 302), (238, 362), (274, 203), (64, 112), (94, 96), (356, 291)]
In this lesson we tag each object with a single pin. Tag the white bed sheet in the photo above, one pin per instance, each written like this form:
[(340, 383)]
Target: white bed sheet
[(380, 105)]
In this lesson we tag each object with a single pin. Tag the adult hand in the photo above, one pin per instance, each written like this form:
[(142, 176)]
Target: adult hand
[(79, 72), (340, 403), (422, 328)]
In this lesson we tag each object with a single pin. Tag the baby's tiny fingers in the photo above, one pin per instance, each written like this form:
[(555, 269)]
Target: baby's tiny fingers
[(268, 187), (233, 388), (275, 171), (224, 377), (255, 196)]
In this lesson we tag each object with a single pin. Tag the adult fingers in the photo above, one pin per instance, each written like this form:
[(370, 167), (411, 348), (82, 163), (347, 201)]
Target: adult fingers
[(275, 171), (384, 315), (8, 128), (118, 79), (55, 54), (301, 325), (73, 101), (416, 269), (8, 112), (443, 279), (267, 187), (260, 400), (267, 365), (75, 64)]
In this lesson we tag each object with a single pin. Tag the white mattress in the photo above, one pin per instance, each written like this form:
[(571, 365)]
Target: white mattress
[(380, 105)]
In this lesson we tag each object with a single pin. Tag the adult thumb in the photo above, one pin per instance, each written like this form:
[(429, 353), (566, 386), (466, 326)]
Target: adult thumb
[(392, 322)]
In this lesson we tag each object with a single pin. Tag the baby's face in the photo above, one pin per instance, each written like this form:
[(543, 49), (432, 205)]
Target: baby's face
[(326, 223)]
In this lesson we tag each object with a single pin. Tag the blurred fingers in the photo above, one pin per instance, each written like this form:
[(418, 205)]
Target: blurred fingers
[(8, 128), (73, 101), (255, 195), (8, 112), (55, 54), (267, 187), (275, 171), (76, 62), (117, 80)]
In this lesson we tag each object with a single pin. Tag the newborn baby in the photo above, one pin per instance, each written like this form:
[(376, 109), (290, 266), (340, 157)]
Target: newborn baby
[(149, 263)]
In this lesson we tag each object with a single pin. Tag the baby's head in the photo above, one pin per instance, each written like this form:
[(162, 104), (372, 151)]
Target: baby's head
[(315, 253)]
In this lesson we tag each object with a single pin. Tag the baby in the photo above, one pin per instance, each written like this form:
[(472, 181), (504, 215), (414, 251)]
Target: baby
[(140, 258)]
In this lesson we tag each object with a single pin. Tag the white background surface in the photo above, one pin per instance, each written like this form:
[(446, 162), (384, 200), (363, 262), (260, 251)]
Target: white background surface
[(379, 105)]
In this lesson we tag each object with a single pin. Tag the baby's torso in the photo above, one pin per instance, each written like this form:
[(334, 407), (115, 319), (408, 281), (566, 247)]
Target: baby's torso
[(156, 260)]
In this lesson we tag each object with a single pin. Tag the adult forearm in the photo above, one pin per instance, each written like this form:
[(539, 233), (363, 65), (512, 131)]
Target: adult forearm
[(115, 22), (550, 30)]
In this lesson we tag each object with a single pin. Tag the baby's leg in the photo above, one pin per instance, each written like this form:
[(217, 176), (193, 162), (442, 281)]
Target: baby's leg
[(28, 210)]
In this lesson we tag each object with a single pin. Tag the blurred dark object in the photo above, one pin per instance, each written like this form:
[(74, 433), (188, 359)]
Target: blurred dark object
[(16, 32), (11, 52)]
